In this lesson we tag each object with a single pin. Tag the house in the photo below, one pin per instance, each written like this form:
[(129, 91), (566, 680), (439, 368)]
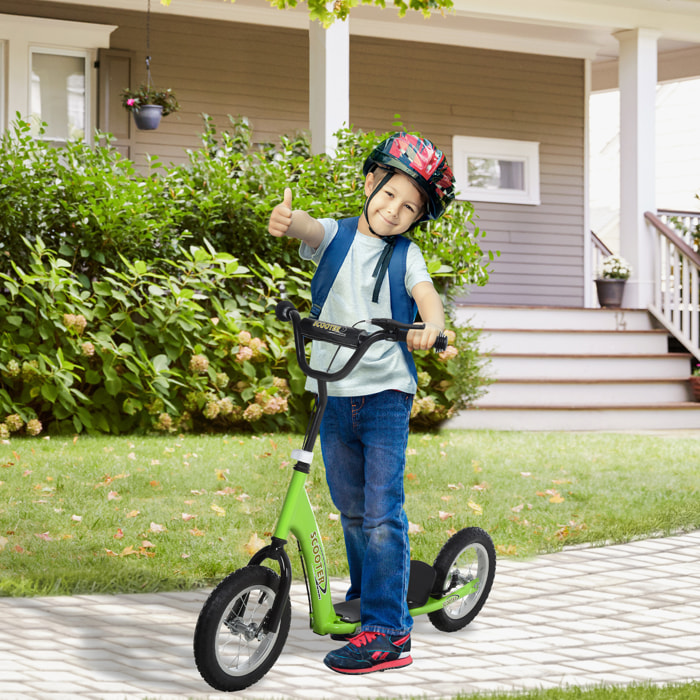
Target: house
[(501, 86)]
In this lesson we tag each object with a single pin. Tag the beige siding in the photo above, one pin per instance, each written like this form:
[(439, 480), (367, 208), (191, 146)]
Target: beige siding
[(446, 91), (228, 68)]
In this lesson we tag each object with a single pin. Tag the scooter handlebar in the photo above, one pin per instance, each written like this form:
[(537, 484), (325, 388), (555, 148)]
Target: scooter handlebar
[(344, 336)]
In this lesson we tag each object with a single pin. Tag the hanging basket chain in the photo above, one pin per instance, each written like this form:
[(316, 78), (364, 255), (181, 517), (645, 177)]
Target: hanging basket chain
[(149, 81)]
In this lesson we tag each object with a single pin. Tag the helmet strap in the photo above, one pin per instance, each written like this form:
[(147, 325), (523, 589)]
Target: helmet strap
[(383, 181), (384, 259)]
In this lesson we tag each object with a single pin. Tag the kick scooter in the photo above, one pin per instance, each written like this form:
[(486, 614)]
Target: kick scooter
[(244, 623)]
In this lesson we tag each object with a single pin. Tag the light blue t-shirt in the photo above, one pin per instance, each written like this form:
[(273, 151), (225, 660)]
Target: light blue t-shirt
[(349, 303)]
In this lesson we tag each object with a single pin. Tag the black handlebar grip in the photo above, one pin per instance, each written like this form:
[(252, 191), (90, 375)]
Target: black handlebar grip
[(283, 309), (440, 343)]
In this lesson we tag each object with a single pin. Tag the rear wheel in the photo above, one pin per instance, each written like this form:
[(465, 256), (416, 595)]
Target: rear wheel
[(469, 554), (231, 648)]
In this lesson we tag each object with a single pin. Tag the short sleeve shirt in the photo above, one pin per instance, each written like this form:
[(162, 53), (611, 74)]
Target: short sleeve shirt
[(349, 303)]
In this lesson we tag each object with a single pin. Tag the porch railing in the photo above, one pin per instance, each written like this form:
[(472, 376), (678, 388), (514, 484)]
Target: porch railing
[(684, 223), (676, 300)]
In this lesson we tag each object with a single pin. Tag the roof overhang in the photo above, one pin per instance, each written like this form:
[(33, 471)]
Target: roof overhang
[(568, 28)]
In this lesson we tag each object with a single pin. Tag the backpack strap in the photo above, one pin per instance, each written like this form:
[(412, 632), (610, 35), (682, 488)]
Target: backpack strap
[(332, 260)]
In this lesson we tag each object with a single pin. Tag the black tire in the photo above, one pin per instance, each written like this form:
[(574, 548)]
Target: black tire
[(229, 650), (467, 555)]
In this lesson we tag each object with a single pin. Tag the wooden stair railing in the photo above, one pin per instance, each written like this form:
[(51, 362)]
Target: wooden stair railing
[(676, 300)]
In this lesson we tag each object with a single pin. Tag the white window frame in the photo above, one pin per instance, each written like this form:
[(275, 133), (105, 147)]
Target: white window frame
[(526, 152), (88, 57), (22, 35)]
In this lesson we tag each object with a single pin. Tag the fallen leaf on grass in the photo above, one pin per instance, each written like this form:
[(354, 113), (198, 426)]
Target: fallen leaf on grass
[(3, 543), (155, 527), (76, 518), (118, 534), (444, 515), (44, 536), (218, 510), (113, 496), (478, 510), (509, 550), (196, 532), (133, 513), (554, 496), (188, 516), (254, 544), (414, 528)]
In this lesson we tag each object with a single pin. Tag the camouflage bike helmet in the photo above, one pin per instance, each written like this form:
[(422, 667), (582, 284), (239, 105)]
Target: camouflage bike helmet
[(425, 164)]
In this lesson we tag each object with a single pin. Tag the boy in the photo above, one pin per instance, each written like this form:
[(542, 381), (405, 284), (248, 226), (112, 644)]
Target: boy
[(364, 431)]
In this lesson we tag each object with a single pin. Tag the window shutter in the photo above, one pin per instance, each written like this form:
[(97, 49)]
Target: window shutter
[(114, 75)]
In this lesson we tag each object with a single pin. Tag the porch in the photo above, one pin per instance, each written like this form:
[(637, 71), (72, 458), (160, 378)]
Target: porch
[(572, 368)]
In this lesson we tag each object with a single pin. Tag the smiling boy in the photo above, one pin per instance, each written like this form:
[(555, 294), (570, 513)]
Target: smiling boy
[(367, 269)]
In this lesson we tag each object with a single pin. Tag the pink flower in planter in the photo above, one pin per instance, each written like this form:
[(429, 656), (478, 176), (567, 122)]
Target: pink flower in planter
[(131, 102)]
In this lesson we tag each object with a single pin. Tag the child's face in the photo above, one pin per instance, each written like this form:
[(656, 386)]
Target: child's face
[(395, 207)]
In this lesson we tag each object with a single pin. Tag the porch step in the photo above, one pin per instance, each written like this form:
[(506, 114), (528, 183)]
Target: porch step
[(578, 369)]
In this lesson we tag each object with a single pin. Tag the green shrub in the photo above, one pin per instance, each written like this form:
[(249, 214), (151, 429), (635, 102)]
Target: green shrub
[(143, 349), (110, 323), (229, 187), (87, 204)]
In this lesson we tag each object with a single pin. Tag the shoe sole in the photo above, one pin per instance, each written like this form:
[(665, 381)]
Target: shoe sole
[(387, 665)]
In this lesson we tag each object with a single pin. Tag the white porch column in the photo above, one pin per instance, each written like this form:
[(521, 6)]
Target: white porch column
[(329, 83), (638, 76)]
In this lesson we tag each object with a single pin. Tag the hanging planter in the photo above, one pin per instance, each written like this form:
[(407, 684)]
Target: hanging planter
[(148, 117), (147, 103)]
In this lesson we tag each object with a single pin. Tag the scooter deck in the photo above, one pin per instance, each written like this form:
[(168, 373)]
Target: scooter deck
[(420, 585)]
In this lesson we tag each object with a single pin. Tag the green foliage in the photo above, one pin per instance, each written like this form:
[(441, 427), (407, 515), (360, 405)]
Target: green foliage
[(146, 348), (327, 13), (226, 194), (112, 278), (87, 204)]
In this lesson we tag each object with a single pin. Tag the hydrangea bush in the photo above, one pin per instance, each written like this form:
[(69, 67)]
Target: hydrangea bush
[(132, 302)]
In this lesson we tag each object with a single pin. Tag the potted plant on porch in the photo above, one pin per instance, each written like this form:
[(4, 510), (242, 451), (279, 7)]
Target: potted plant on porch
[(695, 382), (610, 285), (148, 104)]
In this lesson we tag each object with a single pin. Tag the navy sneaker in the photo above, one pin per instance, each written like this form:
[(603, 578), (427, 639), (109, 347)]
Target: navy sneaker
[(371, 651)]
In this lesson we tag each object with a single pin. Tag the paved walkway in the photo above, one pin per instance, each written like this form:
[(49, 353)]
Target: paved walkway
[(615, 615)]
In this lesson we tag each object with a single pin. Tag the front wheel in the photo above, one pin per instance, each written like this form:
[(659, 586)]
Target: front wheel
[(469, 554), (231, 648)]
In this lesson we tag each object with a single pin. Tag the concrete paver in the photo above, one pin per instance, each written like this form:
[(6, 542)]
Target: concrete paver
[(618, 614)]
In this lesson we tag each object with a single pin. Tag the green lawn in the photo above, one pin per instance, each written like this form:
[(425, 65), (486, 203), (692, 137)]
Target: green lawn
[(689, 691), (103, 514)]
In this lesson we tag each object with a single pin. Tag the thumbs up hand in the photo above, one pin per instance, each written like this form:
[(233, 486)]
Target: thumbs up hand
[(281, 216)]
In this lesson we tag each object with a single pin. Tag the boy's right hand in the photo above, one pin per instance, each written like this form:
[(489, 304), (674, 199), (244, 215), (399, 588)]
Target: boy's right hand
[(281, 216)]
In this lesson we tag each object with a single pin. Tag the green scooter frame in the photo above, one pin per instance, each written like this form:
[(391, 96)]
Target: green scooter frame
[(244, 624)]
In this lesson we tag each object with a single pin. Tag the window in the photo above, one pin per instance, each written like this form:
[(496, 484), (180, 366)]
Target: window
[(496, 170), (47, 73), (58, 94)]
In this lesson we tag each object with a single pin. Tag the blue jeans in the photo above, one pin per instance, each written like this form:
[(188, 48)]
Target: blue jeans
[(364, 440)]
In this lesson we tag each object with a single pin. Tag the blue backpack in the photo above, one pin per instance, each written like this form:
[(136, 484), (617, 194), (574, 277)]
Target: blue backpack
[(403, 308)]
